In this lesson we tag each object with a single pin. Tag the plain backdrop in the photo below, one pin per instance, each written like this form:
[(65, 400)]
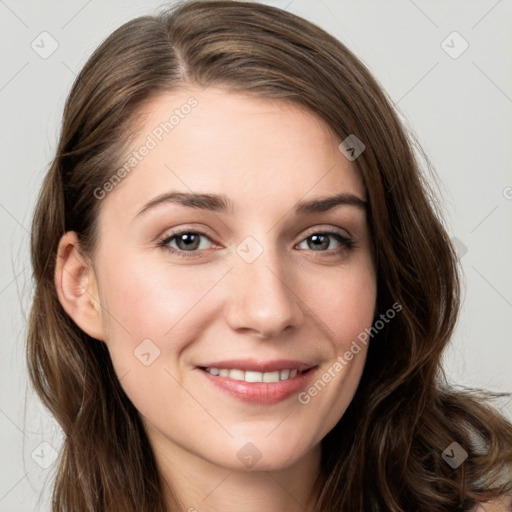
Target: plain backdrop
[(457, 100)]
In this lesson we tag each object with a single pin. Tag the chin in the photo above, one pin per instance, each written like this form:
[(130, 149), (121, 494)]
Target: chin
[(263, 454)]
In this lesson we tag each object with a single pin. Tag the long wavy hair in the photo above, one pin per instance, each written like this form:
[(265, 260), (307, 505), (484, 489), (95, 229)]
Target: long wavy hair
[(385, 453)]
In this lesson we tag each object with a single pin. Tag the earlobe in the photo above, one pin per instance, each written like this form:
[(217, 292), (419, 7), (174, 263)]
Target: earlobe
[(77, 288)]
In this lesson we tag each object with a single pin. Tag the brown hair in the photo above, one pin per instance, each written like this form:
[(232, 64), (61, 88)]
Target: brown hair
[(385, 452)]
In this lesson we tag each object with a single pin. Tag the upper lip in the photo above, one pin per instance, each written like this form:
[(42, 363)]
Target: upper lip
[(258, 365)]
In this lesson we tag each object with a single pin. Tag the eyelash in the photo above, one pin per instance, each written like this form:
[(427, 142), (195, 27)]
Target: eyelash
[(346, 243)]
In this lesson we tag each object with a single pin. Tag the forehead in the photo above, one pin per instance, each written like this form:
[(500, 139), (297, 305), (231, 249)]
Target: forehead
[(252, 149)]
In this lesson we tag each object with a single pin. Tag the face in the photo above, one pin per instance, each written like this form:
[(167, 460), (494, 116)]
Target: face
[(227, 297)]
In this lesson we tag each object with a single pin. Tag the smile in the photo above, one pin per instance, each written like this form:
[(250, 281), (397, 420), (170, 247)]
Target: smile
[(258, 382), (252, 376)]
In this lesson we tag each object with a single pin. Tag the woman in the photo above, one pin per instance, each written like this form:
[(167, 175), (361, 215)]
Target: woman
[(244, 289)]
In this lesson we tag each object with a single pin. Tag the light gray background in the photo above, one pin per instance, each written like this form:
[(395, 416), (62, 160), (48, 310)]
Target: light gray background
[(460, 108)]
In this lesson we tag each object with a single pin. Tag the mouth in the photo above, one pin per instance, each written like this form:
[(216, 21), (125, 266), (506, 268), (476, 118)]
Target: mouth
[(255, 376), (258, 382)]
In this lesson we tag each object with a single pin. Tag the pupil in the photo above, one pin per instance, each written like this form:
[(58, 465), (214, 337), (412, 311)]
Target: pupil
[(318, 242), (189, 240)]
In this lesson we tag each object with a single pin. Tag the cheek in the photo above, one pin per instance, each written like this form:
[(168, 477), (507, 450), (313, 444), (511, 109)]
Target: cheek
[(159, 302), (345, 303), (147, 322), (148, 299), (139, 303), (346, 308)]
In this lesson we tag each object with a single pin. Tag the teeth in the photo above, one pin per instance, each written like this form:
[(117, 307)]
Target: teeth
[(236, 374), (250, 376), (270, 377)]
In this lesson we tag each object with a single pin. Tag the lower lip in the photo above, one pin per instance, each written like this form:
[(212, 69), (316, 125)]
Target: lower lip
[(260, 392)]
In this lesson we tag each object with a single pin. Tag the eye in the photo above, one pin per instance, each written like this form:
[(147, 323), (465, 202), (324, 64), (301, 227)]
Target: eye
[(181, 243), (321, 242), (189, 244)]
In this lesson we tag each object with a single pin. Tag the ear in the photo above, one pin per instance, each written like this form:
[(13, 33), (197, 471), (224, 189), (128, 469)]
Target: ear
[(77, 287)]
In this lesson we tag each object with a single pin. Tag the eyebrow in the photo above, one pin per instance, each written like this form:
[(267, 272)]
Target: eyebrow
[(221, 203), (327, 203)]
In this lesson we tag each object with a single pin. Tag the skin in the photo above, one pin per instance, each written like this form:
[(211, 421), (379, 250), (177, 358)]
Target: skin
[(292, 302), (501, 504)]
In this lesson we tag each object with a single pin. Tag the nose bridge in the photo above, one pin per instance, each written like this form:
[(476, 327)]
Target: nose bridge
[(262, 299)]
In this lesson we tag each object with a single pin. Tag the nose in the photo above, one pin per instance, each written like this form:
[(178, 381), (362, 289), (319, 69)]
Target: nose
[(262, 298)]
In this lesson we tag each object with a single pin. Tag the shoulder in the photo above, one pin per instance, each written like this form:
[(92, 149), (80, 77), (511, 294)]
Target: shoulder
[(503, 504)]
